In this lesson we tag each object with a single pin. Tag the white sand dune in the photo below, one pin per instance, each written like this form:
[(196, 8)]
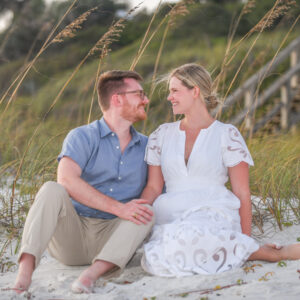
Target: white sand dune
[(262, 281)]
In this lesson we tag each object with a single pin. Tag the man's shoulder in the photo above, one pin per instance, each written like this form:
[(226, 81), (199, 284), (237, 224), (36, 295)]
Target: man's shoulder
[(87, 129), (143, 138)]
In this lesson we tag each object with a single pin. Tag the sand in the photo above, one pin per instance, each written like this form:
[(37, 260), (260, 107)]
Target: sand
[(257, 280)]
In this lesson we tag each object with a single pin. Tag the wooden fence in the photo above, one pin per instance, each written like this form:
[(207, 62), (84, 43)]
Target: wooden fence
[(254, 97)]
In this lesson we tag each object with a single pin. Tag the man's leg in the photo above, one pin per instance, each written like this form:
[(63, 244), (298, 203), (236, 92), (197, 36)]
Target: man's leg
[(51, 209), (122, 238)]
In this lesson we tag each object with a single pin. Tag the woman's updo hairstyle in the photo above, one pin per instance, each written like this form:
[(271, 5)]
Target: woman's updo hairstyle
[(192, 75)]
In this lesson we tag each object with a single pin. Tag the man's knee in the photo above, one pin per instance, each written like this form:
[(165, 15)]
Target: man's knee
[(51, 191)]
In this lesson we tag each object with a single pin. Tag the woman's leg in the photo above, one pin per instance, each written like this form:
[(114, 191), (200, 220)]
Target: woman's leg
[(273, 253)]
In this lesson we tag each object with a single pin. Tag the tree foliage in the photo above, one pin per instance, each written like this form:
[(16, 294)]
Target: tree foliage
[(33, 21)]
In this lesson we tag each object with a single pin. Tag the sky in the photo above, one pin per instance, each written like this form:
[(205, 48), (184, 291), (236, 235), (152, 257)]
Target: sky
[(148, 4)]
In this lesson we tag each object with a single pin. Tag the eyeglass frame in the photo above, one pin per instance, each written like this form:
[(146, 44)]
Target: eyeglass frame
[(141, 93)]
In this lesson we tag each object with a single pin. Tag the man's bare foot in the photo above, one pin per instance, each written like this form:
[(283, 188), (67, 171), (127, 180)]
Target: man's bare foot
[(82, 285), (85, 282), (22, 283), (26, 267)]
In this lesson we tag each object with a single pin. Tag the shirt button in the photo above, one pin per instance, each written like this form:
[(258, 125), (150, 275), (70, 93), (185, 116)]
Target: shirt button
[(113, 134), (118, 147), (111, 189), (121, 163), (119, 177)]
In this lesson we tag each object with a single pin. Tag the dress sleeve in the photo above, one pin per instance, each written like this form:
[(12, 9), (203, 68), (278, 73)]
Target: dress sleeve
[(154, 147), (234, 148)]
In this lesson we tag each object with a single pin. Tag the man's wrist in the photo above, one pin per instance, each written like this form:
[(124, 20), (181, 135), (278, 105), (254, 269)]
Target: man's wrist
[(117, 208)]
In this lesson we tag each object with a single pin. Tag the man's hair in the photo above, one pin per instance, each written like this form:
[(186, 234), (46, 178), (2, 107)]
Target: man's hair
[(112, 82)]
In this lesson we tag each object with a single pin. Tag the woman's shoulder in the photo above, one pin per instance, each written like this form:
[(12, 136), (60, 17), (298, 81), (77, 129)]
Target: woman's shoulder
[(163, 128), (169, 125), (223, 126), (226, 128)]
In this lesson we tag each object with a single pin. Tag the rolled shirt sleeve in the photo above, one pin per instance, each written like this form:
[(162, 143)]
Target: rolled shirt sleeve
[(76, 146)]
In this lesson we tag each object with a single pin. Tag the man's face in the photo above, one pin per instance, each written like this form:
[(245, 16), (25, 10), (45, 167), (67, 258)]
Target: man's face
[(134, 101)]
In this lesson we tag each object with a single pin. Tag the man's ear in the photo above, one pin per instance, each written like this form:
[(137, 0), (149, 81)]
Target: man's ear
[(116, 100)]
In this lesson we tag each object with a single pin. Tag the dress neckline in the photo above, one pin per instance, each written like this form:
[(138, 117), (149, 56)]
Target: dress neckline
[(183, 136), (201, 130)]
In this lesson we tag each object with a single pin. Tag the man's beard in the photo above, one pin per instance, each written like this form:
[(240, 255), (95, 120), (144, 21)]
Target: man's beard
[(133, 114)]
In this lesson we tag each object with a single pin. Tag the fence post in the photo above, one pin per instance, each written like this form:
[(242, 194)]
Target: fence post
[(285, 97), (293, 61), (249, 101)]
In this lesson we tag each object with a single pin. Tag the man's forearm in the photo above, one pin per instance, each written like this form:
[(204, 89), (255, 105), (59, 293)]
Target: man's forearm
[(87, 195)]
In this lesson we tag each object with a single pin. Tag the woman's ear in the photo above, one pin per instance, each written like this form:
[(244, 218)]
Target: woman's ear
[(196, 92)]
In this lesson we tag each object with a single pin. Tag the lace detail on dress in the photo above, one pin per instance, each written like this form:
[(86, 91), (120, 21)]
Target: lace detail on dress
[(154, 146), (233, 136), (234, 148), (153, 142)]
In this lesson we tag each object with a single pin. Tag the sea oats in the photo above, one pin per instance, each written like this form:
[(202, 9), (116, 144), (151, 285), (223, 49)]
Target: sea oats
[(108, 38), (70, 30), (280, 9), (248, 7), (180, 9)]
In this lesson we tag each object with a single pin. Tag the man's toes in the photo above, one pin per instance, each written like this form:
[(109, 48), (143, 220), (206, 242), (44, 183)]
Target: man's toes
[(78, 287)]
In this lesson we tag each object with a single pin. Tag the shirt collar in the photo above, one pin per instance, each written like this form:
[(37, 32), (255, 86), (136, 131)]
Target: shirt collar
[(105, 131), (135, 136)]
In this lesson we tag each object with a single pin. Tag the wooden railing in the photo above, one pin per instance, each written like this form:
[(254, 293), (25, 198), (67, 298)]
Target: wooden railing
[(250, 92)]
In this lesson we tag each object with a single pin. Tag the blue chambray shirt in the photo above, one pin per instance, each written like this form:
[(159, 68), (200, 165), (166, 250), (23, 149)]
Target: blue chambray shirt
[(96, 149)]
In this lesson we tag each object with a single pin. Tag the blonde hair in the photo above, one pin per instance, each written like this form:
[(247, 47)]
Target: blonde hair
[(192, 75)]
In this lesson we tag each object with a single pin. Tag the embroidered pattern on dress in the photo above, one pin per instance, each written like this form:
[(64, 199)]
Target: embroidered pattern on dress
[(233, 135), (152, 139)]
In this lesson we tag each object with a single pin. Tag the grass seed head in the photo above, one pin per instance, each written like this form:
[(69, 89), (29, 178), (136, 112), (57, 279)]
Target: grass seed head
[(70, 30), (280, 9), (248, 7)]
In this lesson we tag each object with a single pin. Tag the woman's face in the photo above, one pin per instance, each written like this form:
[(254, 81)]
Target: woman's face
[(181, 97)]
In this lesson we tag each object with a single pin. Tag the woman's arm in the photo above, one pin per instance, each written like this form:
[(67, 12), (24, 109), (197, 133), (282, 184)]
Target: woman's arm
[(155, 184), (239, 179)]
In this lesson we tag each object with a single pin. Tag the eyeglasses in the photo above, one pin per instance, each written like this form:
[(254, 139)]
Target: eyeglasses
[(140, 92)]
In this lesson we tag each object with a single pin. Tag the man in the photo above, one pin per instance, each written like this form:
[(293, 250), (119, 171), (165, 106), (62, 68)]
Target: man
[(101, 167)]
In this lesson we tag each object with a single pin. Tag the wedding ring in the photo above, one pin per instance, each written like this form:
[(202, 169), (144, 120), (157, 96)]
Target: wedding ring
[(135, 215)]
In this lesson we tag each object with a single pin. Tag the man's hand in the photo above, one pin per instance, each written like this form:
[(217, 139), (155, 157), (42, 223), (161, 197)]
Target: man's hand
[(136, 212)]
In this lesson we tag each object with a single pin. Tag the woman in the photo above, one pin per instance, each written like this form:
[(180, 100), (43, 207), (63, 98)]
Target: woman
[(201, 226)]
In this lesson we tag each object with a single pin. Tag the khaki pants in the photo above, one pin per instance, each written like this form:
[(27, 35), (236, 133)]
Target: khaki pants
[(74, 240)]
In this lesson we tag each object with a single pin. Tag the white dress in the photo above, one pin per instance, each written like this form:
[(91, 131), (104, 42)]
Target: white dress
[(197, 228)]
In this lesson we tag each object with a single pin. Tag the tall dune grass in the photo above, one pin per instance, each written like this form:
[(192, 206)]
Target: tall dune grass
[(41, 128), (275, 178)]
